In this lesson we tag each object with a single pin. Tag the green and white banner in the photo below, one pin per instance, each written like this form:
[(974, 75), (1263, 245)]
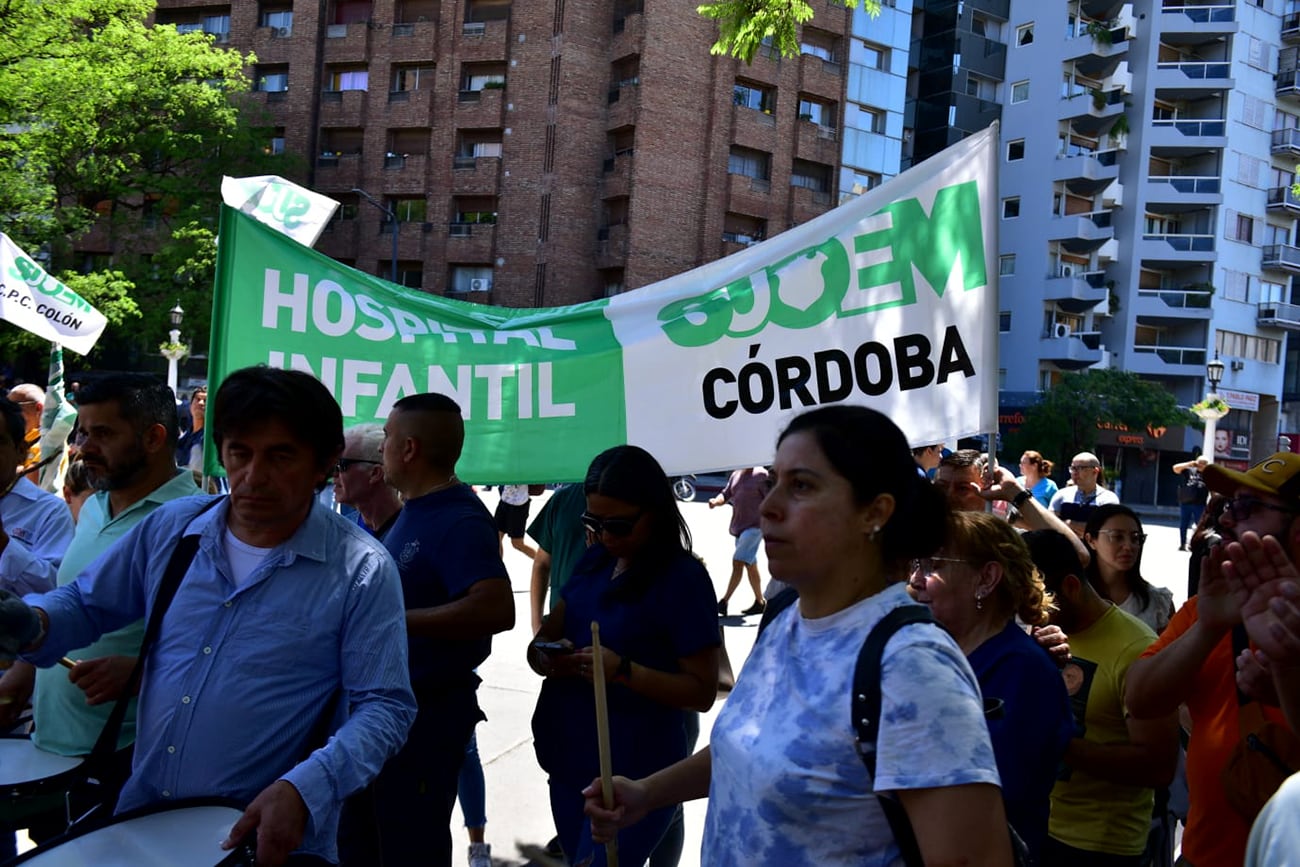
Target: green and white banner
[(35, 301), (889, 300)]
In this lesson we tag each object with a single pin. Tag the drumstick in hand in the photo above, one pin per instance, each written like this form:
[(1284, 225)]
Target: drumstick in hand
[(67, 662), (602, 737)]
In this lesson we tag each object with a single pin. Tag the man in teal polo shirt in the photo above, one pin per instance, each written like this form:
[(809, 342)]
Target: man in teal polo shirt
[(130, 429)]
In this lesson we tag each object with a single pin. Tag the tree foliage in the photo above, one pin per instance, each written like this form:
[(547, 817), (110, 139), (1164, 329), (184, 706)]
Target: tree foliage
[(743, 25), (108, 122), (1066, 421)]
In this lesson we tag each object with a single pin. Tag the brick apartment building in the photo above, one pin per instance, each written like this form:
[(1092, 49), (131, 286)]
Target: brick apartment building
[(539, 154)]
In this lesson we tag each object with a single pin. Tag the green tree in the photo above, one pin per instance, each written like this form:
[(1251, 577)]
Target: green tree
[(743, 25), (127, 128), (1066, 421)]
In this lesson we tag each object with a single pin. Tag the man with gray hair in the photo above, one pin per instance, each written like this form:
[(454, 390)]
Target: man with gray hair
[(359, 479), (1075, 502)]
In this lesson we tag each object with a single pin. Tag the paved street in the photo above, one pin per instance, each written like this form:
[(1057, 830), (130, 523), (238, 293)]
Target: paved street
[(517, 805)]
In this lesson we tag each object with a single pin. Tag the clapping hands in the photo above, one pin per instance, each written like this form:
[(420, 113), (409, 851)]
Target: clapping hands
[(1262, 578)]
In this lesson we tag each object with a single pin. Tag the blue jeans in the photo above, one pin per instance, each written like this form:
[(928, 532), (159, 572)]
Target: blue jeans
[(470, 788), (635, 842), (1189, 514)]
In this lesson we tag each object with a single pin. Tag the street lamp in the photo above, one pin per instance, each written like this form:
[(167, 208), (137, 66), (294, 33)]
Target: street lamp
[(393, 219), (1211, 413), (173, 350)]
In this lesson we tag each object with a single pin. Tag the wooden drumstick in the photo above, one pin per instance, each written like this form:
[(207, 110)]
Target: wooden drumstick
[(602, 736), (68, 663)]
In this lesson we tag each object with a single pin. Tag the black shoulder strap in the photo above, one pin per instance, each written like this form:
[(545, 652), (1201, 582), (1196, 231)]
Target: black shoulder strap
[(1240, 641), (866, 716), (776, 605), (177, 566)]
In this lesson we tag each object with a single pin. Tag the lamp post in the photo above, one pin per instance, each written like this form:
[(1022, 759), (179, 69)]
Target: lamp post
[(1211, 414), (392, 217), (173, 350)]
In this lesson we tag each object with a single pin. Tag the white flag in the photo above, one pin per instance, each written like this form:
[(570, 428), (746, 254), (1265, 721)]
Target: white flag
[(296, 211), (36, 302)]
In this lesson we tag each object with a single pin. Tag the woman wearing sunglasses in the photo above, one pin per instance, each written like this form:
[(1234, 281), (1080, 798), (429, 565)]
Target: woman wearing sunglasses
[(659, 634), (983, 580), (1114, 536), (784, 779)]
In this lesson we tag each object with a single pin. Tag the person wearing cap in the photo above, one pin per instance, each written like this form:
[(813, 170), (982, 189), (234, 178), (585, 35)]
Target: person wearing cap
[(1075, 502), (1195, 660)]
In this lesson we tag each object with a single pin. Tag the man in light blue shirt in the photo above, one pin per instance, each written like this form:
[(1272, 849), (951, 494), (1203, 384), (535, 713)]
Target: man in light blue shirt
[(35, 525), (129, 430), (287, 610)]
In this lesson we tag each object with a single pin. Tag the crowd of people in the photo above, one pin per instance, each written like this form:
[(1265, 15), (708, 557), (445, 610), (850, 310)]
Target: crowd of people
[(965, 668)]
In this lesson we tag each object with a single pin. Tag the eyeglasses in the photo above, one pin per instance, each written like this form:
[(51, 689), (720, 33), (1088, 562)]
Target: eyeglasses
[(344, 463), (1078, 468), (927, 565), (613, 526), (1241, 508), (1119, 537)]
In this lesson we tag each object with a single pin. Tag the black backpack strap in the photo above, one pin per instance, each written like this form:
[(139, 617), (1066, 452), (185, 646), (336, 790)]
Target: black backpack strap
[(776, 605), (866, 717), (177, 566), (1240, 641)]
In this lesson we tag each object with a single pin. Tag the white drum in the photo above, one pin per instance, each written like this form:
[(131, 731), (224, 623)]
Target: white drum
[(186, 834), (32, 781)]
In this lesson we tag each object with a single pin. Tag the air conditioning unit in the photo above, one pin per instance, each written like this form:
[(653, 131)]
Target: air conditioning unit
[(480, 284), (282, 32), (1067, 270), (1061, 330), (1238, 365)]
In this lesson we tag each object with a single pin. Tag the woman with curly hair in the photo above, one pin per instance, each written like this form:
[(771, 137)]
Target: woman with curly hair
[(977, 586)]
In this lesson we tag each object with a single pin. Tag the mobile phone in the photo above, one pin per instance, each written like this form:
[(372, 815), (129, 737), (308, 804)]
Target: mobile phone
[(554, 648)]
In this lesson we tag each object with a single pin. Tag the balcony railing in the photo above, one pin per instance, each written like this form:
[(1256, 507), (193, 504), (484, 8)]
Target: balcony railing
[(1189, 183), (1281, 256), (1180, 298), (1205, 14), (1286, 139), (1279, 315), (1200, 69), (1287, 81), (1291, 25), (1206, 127), (1175, 354), (1283, 198), (1185, 243)]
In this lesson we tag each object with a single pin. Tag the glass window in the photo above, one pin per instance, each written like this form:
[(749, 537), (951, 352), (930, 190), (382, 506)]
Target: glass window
[(875, 119), (813, 176), (750, 163), (273, 82), (409, 210), (820, 113), (281, 20), (1015, 150), (874, 56), (1025, 34), (349, 79), (818, 44), (1020, 91), (1007, 264), (754, 96), (1004, 321), (1011, 208), (407, 78)]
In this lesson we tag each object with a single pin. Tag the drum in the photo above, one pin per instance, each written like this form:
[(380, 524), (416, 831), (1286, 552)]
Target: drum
[(187, 833), (32, 781)]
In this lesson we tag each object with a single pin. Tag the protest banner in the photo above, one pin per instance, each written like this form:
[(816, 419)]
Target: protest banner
[(36, 302), (298, 212), (889, 300)]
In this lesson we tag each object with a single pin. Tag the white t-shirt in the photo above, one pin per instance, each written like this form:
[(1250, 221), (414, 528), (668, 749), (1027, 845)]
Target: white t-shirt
[(514, 495), (244, 558), (788, 785)]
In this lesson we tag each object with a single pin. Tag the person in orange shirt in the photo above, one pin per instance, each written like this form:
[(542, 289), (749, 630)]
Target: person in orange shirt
[(1199, 659)]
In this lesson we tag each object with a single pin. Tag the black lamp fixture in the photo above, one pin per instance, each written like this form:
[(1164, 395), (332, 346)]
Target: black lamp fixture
[(176, 315), (1214, 373)]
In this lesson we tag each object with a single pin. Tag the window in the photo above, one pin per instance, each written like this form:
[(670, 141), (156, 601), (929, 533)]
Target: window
[(743, 229), (1271, 292), (819, 43), (986, 27), (1245, 229), (863, 181), (408, 78), (874, 56), (813, 176), (1248, 346), (873, 118), (272, 79), (818, 112), (408, 210), (1004, 321), (482, 77), (979, 87), (1011, 208), (280, 20), (1020, 92), (1025, 34), (275, 145), (348, 79), (1007, 265), (1015, 150), (409, 274), (755, 96), (470, 278), (750, 163)]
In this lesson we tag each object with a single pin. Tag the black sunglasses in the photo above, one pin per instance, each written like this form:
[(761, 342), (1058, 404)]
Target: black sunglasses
[(344, 463), (612, 526), (1241, 508)]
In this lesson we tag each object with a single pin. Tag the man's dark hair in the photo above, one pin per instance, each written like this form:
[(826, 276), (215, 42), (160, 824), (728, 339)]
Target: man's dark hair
[(446, 449), (141, 399), (15, 425), (1054, 556), (253, 396), (963, 458)]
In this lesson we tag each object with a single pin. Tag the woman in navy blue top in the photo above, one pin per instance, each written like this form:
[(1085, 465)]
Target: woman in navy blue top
[(659, 633), (977, 585)]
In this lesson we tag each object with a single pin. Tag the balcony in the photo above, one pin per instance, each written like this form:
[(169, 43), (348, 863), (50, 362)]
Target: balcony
[(1070, 352), (1155, 359), (338, 171), (1283, 199), (1184, 192), (1076, 292), (471, 242), (340, 239), (617, 173), (412, 42), (629, 34), (816, 143), (1286, 141), (480, 109), (1092, 111), (1087, 172), (611, 246), (624, 99), (1095, 57), (807, 203), (752, 128), (1187, 136), (410, 108), (404, 173), (1287, 84), (1081, 233), (820, 77), (1281, 257), (1291, 28), (1101, 9), (1196, 23), (484, 40), (341, 106), (475, 176), (1173, 303), (1192, 80), (749, 195), (1171, 251), (347, 43), (1277, 315)]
